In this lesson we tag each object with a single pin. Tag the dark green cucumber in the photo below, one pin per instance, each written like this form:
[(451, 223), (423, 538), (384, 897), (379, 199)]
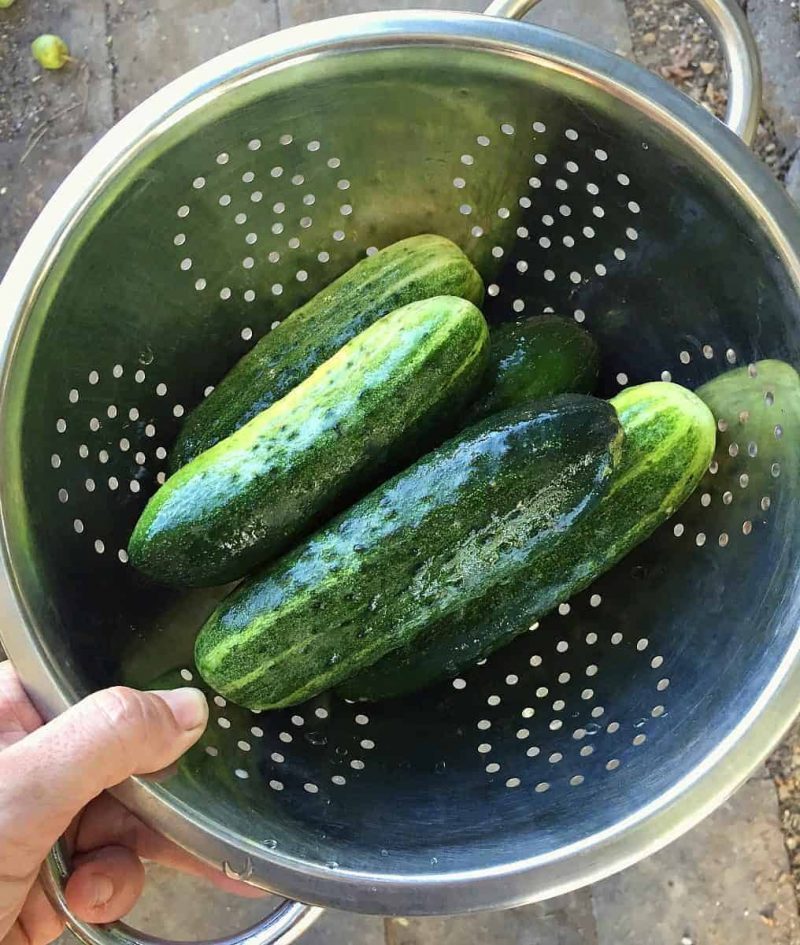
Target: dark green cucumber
[(247, 499), (408, 271), (669, 442), (462, 521), (537, 357)]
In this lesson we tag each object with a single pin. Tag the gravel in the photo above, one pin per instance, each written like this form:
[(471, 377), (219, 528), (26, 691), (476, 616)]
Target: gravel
[(784, 767), (673, 41)]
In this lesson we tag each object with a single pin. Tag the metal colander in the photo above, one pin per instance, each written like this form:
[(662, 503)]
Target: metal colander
[(578, 184)]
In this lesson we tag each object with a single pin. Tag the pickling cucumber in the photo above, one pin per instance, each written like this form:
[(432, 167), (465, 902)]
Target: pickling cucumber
[(461, 524), (413, 269), (536, 357), (247, 499), (669, 443)]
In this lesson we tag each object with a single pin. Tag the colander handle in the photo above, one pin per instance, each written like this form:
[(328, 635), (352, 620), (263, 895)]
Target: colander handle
[(727, 20), (285, 924)]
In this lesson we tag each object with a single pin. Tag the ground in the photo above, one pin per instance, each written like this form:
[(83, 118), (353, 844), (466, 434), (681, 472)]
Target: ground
[(731, 879), (671, 39)]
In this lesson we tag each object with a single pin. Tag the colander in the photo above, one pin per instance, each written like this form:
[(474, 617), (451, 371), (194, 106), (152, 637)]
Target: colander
[(579, 184)]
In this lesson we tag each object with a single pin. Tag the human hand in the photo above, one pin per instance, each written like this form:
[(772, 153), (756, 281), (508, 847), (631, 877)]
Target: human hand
[(52, 782)]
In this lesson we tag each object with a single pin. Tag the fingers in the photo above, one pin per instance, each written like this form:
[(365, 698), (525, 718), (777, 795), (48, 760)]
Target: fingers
[(106, 822), (38, 923), (104, 884), (18, 717), (15, 936), (50, 775)]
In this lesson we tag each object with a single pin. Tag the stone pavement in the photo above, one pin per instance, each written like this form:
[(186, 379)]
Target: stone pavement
[(726, 882), (776, 25)]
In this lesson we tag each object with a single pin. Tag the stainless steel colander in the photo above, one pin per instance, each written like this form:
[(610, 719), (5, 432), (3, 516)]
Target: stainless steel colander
[(578, 183)]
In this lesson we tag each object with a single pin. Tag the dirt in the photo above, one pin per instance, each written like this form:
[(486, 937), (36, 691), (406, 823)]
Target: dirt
[(673, 41), (784, 767), (19, 96), (31, 98)]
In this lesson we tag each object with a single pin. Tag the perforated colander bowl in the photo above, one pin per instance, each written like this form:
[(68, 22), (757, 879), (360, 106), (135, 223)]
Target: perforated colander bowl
[(579, 184)]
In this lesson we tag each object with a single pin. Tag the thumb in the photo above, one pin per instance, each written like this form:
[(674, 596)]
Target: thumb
[(49, 776)]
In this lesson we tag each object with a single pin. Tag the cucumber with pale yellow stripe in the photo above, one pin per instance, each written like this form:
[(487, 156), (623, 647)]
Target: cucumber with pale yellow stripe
[(250, 497), (413, 269), (669, 442), (460, 524)]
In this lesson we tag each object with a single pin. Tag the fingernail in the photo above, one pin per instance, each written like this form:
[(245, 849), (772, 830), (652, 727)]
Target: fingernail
[(102, 889), (188, 706)]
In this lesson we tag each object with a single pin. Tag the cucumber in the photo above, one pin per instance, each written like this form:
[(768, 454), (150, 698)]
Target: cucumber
[(460, 523), (537, 357), (778, 385), (408, 271), (247, 499), (669, 442)]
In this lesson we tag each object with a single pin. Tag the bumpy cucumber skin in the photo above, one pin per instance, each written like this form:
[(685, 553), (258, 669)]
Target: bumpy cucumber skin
[(247, 499), (669, 442), (413, 269), (462, 520), (537, 357)]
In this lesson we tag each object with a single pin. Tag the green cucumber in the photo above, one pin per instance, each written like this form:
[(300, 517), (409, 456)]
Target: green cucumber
[(769, 389), (413, 269), (247, 499), (460, 523), (669, 442), (537, 357)]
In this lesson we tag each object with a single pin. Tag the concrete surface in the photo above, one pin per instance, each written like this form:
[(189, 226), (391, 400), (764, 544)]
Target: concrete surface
[(776, 24), (183, 908), (158, 40), (793, 180), (724, 882), (602, 22), (568, 920)]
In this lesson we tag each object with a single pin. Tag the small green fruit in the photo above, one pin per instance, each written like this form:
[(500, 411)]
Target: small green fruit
[(5, 4), (50, 51)]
